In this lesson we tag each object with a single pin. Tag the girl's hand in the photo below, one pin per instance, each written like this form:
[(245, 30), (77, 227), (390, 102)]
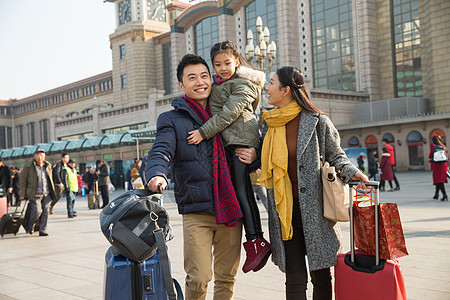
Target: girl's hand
[(194, 138), (246, 155)]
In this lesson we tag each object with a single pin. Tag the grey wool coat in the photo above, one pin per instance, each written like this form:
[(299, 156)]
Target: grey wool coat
[(322, 236)]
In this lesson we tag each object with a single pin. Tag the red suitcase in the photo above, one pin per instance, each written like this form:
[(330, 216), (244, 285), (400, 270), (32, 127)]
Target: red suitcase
[(3, 206), (362, 276)]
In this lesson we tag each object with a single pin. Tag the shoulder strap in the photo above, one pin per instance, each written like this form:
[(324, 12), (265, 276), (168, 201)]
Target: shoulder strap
[(321, 155), (165, 266)]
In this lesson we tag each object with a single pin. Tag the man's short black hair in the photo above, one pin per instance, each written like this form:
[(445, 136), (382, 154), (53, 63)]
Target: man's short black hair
[(187, 60), (385, 140), (98, 162), (64, 154)]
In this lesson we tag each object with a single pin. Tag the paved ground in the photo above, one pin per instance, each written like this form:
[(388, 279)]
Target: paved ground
[(69, 264)]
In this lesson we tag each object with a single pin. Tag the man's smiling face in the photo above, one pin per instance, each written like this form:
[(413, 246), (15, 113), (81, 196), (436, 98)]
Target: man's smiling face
[(196, 82)]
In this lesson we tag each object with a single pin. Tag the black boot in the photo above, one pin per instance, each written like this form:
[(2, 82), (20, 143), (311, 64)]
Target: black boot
[(444, 198), (436, 196)]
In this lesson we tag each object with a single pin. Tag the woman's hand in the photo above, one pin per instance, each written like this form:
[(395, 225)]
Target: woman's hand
[(246, 155), (360, 176), (194, 138)]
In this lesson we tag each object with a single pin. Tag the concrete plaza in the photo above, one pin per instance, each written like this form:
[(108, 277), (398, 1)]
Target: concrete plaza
[(69, 263)]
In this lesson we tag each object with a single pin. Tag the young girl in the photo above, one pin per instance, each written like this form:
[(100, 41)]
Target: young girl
[(386, 170), (234, 98)]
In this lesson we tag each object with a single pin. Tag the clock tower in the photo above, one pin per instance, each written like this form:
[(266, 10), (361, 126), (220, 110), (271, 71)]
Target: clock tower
[(135, 58)]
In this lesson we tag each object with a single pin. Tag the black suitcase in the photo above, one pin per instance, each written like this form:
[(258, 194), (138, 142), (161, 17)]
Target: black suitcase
[(11, 222)]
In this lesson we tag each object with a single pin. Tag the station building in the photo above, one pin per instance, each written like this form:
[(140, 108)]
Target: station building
[(378, 68)]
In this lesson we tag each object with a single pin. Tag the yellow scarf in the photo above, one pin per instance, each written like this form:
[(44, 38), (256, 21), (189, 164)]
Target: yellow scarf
[(274, 163)]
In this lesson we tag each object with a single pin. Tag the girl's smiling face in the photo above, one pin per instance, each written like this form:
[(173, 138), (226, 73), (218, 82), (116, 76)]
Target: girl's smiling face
[(225, 64)]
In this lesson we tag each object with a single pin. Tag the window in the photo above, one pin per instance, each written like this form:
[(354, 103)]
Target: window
[(122, 51), (206, 35), (167, 67), (333, 50), (2, 137), (19, 135), (123, 79), (415, 148), (43, 129), (125, 128), (406, 42), (267, 10), (31, 133)]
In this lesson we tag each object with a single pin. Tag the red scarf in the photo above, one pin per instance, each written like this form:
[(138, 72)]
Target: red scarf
[(219, 80), (226, 204)]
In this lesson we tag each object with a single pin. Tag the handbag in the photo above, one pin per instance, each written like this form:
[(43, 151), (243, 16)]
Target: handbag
[(129, 221), (439, 155), (335, 191), (391, 239)]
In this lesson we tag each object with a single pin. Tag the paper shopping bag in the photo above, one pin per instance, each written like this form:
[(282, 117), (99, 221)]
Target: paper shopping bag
[(391, 242)]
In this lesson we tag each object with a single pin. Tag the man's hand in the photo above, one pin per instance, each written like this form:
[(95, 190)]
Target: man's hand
[(155, 181), (61, 185), (246, 155), (10, 190), (194, 137), (360, 176)]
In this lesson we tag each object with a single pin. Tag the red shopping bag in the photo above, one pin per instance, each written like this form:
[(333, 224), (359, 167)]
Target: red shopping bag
[(392, 241)]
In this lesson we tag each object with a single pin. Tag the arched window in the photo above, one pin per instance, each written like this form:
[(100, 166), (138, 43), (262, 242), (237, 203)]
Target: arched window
[(353, 142), (389, 137), (439, 132), (267, 10), (371, 143), (415, 148), (206, 35)]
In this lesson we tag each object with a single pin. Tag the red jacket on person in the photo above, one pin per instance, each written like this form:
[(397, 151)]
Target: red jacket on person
[(386, 168), (390, 149), (439, 169)]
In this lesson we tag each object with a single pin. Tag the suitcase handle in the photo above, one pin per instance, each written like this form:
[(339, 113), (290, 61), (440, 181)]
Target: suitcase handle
[(375, 185)]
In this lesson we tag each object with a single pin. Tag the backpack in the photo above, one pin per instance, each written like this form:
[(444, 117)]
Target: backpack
[(439, 155), (130, 221)]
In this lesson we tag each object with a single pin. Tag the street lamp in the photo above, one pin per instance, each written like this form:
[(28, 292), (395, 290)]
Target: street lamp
[(264, 48)]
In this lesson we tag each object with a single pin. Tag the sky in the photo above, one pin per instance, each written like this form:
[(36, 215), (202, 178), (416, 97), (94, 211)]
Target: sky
[(45, 44)]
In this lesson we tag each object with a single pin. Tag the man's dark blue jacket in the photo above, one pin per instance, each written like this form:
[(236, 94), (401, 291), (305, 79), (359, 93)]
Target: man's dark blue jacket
[(191, 164)]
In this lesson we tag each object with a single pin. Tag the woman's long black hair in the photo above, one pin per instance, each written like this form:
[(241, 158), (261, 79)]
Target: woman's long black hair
[(294, 79)]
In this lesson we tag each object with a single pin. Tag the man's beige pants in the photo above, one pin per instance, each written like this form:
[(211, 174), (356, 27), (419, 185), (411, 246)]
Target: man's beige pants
[(205, 243)]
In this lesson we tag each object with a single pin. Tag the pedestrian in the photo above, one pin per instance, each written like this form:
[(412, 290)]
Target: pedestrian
[(212, 229), (70, 180), (386, 170), (128, 183), (297, 132), (6, 182), (36, 185), (360, 161), (391, 151), (372, 164), (439, 170), (103, 180), (91, 178), (59, 186), (15, 185), (235, 96), (135, 170)]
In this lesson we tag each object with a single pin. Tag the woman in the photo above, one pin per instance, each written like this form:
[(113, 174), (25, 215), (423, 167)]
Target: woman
[(290, 169), (439, 169), (386, 170), (135, 170)]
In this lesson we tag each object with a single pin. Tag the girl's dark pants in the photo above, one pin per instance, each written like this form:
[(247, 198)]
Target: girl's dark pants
[(244, 193)]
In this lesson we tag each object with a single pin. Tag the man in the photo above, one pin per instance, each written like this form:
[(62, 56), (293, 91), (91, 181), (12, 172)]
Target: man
[(15, 177), (36, 185), (5, 182), (59, 186), (390, 149), (103, 180), (70, 180), (212, 231)]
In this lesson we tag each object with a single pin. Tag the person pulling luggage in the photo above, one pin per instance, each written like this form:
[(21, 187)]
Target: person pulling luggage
[(36, 184)]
